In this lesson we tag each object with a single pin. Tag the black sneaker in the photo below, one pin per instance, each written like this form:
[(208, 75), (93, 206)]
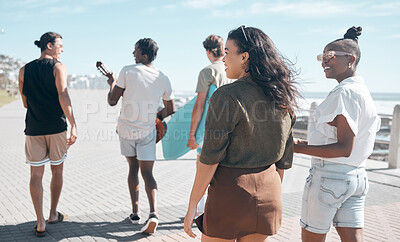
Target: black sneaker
[(150, 225), (134, 218)]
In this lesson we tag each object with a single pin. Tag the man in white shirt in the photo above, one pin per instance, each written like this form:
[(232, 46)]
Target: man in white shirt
[(141, 85)]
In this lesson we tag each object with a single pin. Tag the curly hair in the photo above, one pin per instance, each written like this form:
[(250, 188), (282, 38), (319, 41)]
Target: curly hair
[(148, 47)]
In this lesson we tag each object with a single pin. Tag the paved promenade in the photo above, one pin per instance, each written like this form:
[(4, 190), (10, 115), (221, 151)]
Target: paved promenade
[(96, 198)]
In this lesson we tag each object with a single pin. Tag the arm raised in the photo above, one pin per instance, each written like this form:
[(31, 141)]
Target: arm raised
[(115, 91)]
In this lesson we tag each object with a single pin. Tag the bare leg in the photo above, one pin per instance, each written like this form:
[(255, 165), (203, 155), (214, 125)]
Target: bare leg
[(307, 236), (197, 161), (55, 189), (350, 234), (36, 190), (146, 168), (253, 237), (205, 238), (133, 182)]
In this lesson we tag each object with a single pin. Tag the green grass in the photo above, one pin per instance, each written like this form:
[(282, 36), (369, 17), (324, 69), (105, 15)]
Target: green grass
[(5, 98)]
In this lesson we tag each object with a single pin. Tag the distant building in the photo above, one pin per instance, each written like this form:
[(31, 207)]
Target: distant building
[(87, 81), (9, 69)]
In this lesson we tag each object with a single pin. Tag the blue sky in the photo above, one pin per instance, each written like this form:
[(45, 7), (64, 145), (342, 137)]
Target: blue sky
[(107, 30)]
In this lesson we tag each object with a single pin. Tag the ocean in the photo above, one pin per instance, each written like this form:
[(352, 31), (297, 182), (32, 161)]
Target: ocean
[(384, 102)]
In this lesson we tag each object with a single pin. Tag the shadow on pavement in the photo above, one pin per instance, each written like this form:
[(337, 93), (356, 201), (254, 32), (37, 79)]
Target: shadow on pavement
[(120, 231)]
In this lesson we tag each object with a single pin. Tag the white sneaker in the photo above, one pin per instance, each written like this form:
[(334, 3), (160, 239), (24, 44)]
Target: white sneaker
[(150, 225)]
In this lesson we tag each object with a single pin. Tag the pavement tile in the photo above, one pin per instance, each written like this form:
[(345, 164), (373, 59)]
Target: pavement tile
[(96, 198)]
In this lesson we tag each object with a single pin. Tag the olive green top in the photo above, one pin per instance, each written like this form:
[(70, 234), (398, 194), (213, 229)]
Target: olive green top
[(244, 129)]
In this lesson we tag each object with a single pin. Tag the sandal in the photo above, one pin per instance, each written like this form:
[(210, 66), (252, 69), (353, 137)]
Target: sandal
[(39, 233), (60, 218)]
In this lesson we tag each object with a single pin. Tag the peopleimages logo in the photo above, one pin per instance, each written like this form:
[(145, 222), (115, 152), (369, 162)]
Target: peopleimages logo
[(102, 120), (183, 134), (98, 134), (128, 111), (260, 111)]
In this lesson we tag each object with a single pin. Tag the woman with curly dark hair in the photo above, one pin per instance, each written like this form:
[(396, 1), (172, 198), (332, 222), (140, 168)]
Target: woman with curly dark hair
[(341, 137), (247, 145)]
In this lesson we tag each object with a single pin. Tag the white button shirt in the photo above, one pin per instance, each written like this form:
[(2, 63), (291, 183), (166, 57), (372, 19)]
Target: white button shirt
[(352, 99)]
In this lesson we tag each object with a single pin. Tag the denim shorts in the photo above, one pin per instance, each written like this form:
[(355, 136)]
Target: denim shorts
[(144, 148), (333, 194)]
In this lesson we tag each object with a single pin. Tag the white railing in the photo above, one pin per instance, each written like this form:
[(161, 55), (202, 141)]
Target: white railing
[(394, 143)]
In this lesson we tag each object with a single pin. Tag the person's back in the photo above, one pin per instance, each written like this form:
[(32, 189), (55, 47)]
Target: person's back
[(216, 70), (141, 87), (369, 122), (257, 128), (43, 87), (144, 87), (247, 144), (44, 113)]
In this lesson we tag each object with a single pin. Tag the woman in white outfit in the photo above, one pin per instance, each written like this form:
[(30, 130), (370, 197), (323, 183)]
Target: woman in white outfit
[(341, 138)]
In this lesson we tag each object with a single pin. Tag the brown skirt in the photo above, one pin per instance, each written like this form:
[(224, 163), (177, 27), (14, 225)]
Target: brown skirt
[(242, 201)]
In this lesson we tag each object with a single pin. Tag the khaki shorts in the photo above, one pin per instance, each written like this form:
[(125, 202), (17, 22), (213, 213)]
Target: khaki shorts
[(44, 149)]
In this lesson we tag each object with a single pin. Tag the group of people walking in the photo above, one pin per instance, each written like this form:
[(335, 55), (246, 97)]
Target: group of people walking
[(248, 141)]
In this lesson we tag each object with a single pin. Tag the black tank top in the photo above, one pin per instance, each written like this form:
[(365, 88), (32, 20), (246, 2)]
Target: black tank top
[(44, 113)]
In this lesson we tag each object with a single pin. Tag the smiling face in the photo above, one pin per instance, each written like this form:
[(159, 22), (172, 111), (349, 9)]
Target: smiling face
[(55, 50), (234, 61), (338, 67)]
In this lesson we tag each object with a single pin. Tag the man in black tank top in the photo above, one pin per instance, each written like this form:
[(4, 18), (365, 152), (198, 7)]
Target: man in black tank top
[(43, 88)]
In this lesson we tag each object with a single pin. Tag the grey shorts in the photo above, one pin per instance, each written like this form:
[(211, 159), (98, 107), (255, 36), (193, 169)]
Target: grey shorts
[(144, 148), (43, 149)]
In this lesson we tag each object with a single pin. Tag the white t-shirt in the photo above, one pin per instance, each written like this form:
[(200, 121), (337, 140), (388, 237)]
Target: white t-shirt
[(350, 98), (144, 87)]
